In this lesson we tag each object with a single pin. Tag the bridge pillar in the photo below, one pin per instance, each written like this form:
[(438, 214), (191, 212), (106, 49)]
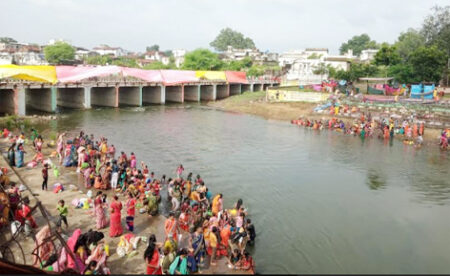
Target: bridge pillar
[(175, 94), (222, 91), (192, 93), (257, 87), (43, 99), (8, 101), (153, 94), (71, 97), (20, 101), (235, 89), (130, 96), (104, 96), (245, 88), (208, 92), (87, 97)]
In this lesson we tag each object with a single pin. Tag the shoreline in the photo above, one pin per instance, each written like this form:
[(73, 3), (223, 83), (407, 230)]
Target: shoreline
[(83, 219), (254, 103)]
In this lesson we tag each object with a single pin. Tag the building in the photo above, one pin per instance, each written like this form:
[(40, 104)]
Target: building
[(300, 65), (368, 55), (111, 51), (153, 56), (178, 55), (6, 58)]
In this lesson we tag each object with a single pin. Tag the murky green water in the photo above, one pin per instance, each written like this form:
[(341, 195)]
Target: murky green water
[(321, 202)]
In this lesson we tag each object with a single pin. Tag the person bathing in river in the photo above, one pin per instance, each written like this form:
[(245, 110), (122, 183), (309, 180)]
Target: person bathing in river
[(179, 170)]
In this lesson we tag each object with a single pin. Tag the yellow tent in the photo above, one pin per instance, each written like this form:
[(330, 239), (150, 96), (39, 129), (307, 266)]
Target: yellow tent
[(39, 73), (211, 75)]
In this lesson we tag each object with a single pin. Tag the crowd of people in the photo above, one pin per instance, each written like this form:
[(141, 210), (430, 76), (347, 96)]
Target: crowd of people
[(198, 231), (409, 131)]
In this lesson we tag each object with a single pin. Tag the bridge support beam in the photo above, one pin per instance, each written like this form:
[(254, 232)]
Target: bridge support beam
[(192, 93), (105, 96), (222, 91), (130, 96), (153, 94), (208, 92), (235, 89), (175, 94), (71, 97), (42, 99), (7, 101)]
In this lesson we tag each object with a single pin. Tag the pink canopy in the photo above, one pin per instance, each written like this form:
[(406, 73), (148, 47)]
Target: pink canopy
[(236, 77), (147, 75), (171, 77), (78, 73)]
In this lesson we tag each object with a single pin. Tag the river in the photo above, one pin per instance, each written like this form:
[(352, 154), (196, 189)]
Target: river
[(321, 202)]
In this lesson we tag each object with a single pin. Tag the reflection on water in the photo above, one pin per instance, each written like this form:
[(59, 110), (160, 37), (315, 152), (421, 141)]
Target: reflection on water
[(322, 202), (375, 180)]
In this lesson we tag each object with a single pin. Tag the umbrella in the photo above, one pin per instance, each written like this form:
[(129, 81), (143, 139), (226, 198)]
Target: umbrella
[(80, 149)]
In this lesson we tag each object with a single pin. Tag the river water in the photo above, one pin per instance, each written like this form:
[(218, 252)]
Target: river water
[(321, 202)]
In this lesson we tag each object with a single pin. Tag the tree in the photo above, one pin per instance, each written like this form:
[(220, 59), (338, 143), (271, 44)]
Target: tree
[(152, 48), (126, 62), (238, 65), (387, 55), (228, 37), (168, 53), (436, 28), (99, 60), (357, 44), (402, 72), (59, 52), (428, 63), (7, 40), (202, 59), (408, 42)]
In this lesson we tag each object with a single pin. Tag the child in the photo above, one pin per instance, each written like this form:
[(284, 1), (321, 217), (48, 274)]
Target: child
[(45, 177), (63, 211), (91, 268)]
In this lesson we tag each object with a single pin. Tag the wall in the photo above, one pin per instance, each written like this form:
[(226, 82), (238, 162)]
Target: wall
[(174, 94), (70, 97), (104, 96), (207, 93), (192, 93), (222, 91), (130, 96), (153, 95), (7, 104), (296, 96), (43, 99)]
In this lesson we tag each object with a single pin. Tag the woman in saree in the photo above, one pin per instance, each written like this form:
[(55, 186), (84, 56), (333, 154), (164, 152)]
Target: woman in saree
[(60, 147), (14, 197), (152, 257), (12, 155), (100, 216), (197, 242), (106, 177), (39, 143), (44, 249), (21, 152), (115, 226), (131, 211), (217, 204)]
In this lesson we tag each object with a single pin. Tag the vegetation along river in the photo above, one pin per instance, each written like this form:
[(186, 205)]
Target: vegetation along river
[(321, 202)]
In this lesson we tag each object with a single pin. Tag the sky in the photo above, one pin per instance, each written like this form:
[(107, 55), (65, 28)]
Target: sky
[(274, 25)]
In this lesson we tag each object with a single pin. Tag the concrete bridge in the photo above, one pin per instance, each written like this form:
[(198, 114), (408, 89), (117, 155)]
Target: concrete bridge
[(21, 97)]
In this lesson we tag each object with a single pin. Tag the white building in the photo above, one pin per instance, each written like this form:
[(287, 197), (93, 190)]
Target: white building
[(301, 64), (5, 58), (178, 55), (157, 56), (107, 50), (368, 55), (29, 58)]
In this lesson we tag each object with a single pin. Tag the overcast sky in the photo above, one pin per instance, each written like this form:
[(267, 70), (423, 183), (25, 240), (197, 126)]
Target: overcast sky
[(274, 25)]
